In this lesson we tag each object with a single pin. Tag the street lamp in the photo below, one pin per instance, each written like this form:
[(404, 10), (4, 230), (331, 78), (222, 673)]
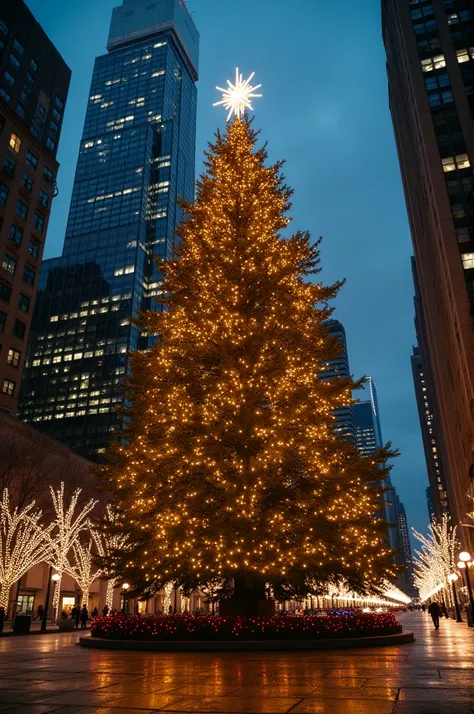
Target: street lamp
[(464, 562), (125, 588), (55, 579), (452, 578)]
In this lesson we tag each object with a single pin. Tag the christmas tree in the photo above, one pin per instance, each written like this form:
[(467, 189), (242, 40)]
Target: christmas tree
[(230, 470)]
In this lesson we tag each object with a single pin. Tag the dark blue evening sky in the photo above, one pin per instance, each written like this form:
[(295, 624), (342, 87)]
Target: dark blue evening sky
[(325, 111)]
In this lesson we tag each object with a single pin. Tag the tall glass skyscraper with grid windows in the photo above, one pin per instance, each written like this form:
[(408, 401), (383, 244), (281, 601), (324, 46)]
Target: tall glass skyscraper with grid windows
[(136, 159)]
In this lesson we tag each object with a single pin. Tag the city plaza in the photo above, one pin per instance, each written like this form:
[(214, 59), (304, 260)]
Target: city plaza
[(433, 675)]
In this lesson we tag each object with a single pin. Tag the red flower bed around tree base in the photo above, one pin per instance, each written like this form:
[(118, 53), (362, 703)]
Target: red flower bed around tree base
[(211, 628)]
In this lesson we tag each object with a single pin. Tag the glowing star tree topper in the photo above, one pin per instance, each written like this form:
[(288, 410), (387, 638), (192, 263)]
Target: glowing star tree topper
[(236, 98)]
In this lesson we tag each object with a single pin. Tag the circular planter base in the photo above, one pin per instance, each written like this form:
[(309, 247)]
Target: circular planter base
[(402, 638)]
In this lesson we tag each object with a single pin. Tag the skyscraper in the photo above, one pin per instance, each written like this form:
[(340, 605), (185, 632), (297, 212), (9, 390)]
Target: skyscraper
[(339, 367), (136, 158), (429, 46), (367, 422), (34, 82), (369, 439), (405, 580)]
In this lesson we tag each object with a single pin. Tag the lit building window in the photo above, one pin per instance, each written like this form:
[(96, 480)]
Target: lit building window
[(9, 264), (438, 62), (451, 163), (468, 260), (465, 55), (15, 143), (13, 357), (8, 387)]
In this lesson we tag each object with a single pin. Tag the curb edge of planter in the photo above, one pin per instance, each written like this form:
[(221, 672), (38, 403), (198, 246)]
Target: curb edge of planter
[(401, 638)]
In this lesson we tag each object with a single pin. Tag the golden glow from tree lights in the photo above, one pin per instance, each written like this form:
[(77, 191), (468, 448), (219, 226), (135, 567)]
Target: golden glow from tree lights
[(230, 464), (436, 559), (237, 97), (67, 527), (23, 543)]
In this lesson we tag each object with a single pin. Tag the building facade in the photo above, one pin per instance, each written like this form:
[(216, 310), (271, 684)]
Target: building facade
[(339, 367), (34, 83), (136, 159), (431, 443), (430, 64)]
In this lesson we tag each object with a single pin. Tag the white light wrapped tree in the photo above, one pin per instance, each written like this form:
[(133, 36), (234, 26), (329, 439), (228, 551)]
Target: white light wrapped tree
[(107, 542), (437, 558), (167, 592), (24, 542), (81, 565), (68, 525)]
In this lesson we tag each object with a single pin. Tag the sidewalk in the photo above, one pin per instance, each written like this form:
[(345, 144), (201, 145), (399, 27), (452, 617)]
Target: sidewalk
[(35, 629)]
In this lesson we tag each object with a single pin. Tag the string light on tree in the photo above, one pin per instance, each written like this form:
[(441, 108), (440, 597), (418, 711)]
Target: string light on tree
[(436, 559), (110, 540), (237, 97), (81, 565), (24, 543), (67, 527)]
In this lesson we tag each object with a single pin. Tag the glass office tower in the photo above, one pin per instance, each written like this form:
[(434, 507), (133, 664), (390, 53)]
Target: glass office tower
[(339, 367), (136, 158)]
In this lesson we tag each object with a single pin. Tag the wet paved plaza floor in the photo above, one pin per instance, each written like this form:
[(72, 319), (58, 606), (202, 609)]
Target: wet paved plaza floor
[(434, 675)]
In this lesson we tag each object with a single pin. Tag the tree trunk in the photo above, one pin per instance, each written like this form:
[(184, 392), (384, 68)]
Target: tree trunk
[(109, 598), (249, 598), (249, 587), (5, 596)]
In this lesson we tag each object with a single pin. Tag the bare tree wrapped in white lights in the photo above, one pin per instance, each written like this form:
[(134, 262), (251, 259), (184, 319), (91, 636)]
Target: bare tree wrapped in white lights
[(24, 542), (108, 542), (67, 527), (436, 559), (82, 568)]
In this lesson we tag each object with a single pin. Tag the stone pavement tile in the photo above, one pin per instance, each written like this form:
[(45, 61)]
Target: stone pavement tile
[(240, 705), (304, 689), (55, 686), (433, 708), (29, 709), (423, 694), (394, 672), (456, 673), (182, 690), (347, 706), (147, 701), (384, 693), (307, 676), (13, 682), (13, 696), (406, 682), (101, 710), (74, 698)]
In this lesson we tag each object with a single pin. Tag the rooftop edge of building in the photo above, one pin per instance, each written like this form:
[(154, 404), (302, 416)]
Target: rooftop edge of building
[(138, 19)]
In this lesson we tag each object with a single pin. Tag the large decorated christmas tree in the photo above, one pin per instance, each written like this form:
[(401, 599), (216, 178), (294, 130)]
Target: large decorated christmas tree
[(230, 471)]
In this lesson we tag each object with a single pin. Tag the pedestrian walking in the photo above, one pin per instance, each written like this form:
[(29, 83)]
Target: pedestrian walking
[(105, 610), (75, 614), (95, 612), (84, 616), (435, 612), (2, 618)]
